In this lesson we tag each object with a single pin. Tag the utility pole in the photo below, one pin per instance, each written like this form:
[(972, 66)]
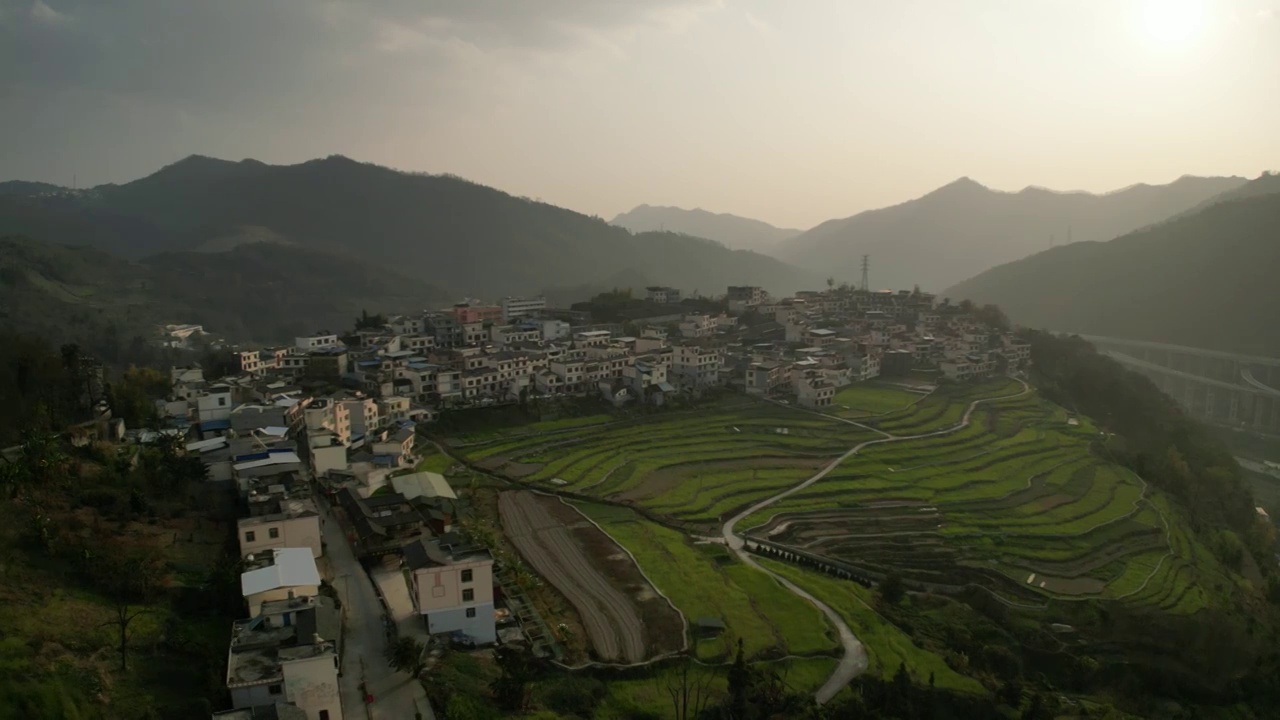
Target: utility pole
[(866, 265)]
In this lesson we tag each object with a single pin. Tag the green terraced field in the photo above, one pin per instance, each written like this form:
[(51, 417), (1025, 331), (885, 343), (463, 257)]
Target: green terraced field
[(1017, 497), (705, 580), (696, 468)]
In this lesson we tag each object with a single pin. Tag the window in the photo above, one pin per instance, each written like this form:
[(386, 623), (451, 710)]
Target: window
[(248, 536), (273, 533), (466, 576), (471, 612), (274, 689), (222, 401), (468, 595), (324, 715)]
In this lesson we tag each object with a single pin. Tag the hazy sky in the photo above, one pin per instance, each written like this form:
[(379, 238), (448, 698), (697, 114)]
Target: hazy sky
[(793, 112)]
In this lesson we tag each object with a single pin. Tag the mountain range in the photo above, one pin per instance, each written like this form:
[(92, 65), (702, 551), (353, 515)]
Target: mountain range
[(466, 238), (964, 227), (732, 231), (1205, 278)]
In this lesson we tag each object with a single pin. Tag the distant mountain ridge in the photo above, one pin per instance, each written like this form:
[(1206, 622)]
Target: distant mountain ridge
[(732, 231), (1206, 278), (468, 238), (964, 227)]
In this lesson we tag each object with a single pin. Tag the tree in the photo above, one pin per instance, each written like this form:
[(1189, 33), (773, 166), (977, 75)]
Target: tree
[(831, 282), (689, 687), (511, 688), (739, 685), (891, 589), (129, 573), (407, 654)]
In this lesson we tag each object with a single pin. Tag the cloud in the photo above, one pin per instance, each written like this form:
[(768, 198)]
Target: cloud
[(41, 13), (1266, 13)]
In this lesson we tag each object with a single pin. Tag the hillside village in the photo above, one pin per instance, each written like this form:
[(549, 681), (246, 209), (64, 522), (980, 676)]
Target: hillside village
[(320, 441)]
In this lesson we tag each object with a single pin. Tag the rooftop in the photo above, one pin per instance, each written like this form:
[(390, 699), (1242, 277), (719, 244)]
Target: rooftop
[(439, 552), (279, 568)]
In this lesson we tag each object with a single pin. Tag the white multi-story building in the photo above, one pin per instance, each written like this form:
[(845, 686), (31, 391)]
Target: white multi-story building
[(453, 588), (696, 365), (513, 308), (661, 294), (315, 342)]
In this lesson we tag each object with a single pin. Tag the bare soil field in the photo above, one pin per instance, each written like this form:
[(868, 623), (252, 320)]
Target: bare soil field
[(624, 617)]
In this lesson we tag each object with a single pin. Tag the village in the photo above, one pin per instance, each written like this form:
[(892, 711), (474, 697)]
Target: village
[(348, 529)]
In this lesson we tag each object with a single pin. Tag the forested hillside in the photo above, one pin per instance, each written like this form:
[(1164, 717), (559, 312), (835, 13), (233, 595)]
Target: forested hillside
[(1206, 280), (260, 292)]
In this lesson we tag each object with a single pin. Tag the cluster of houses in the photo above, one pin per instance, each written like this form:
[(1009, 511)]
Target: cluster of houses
[(473, 354), (285, 449), (337, 417)]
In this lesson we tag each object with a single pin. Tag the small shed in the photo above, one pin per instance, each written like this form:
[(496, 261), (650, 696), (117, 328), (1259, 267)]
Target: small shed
[(708, 626)]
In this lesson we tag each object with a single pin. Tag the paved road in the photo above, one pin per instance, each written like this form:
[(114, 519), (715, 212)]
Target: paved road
[(396, 695), (854, 660), (395, 590)]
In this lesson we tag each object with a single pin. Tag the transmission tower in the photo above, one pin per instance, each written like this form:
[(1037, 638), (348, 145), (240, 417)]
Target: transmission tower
[(866, 265)]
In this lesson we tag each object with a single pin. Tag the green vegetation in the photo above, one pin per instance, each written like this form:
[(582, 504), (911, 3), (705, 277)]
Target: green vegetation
[(888, 647), (706, 581)]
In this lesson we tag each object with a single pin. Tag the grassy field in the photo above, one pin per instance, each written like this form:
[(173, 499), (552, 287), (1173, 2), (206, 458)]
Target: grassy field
[(863, 399), (706, 581)]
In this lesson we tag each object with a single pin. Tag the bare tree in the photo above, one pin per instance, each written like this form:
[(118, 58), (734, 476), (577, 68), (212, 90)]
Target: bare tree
[(689, 687)]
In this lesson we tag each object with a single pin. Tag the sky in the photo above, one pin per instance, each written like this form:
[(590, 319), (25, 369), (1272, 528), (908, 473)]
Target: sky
[(790, 112)]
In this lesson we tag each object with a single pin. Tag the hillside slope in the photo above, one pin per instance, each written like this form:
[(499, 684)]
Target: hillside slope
[(964, 228), (732, 231), (1206, 280), (261, 292), (469, 238)]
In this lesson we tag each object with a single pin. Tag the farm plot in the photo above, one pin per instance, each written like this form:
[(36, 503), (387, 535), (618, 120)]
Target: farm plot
[(694, 468), (705, 580), (623, 616), (1016, 498)]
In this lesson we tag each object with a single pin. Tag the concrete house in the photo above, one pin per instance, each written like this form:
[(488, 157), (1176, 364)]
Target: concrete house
[(296, 527), (288, 655), (452, 587), (279, 574)]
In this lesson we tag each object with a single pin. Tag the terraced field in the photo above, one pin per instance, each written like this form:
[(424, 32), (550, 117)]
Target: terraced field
[(695, 468), (1016, 502)]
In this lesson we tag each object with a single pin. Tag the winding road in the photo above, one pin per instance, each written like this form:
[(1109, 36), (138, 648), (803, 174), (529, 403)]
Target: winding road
[(854, 659)]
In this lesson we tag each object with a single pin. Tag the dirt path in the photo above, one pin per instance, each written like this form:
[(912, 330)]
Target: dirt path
[(854, 660), (610, 617)]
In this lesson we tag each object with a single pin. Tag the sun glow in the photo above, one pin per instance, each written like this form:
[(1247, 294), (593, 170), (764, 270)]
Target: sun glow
[(1172, 24)]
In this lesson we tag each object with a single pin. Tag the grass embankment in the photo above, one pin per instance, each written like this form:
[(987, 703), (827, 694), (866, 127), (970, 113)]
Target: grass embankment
[(867, 399)]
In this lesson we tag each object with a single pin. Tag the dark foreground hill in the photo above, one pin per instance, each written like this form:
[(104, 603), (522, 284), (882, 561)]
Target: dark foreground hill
[(963, 228), (1208, 279), (467, 238)]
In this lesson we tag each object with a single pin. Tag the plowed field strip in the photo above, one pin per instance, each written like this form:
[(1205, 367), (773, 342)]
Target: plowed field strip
[(610, 617)]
